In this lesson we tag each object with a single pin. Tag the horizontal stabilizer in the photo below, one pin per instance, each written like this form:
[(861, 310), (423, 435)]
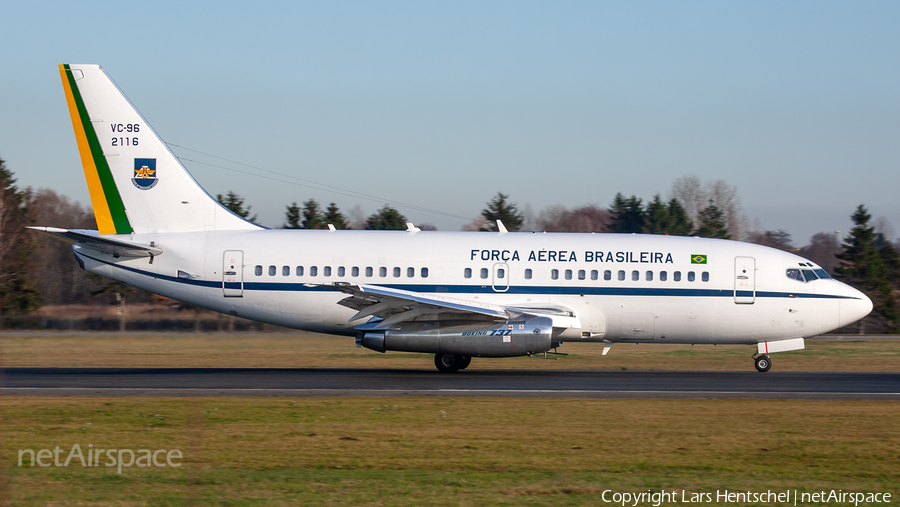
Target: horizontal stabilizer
[(106, 244)]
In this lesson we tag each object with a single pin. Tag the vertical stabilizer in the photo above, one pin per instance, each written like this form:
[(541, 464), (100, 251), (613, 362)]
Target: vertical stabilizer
[(135, 182)]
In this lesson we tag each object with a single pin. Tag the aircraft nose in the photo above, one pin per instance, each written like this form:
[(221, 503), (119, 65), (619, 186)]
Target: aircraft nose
[(854, 305)]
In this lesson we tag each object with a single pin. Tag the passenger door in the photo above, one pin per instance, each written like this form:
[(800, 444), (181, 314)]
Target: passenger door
[(500, 282), (744, 280), (233, 273)]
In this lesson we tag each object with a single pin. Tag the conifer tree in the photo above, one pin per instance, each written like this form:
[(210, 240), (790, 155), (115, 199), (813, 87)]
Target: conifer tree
[(712, 223), (627, 215), (499, 208), (312, 217), (292, 216), (386, 219), (679, 223), (334, 217), (658, 220), (235, 203), (17, 294), (870, 267)]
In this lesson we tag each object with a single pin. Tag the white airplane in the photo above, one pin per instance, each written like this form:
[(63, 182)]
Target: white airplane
[(456, 295)]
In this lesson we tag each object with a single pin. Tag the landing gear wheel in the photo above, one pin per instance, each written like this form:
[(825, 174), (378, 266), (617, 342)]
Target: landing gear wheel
[(447, 363), (763, 363), (466, 360)]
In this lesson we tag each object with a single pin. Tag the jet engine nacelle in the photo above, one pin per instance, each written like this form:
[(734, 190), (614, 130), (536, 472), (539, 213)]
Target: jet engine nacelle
[(462, 338)]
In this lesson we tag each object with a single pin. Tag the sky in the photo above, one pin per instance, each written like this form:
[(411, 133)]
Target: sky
[(437, 106)]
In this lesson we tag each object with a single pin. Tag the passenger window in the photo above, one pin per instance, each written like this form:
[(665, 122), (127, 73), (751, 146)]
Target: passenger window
[(272, 270), (501, 273), (410, 272), (382, 271), (635, 275), (621, 275), (554, 274), (581, 274), (313, 271), (341, 271), (794, 274), (354, 271), (369, 271), (299, 271), (528, 274), (326, 271), (690, 276), (424, 272), (285, 271), (705, 276), (676, 276), (484, 273), (607, 275), (258, 270), (568, 274), (663, 276), (649, 276), (396, 272), (594, 274), (467, 273)]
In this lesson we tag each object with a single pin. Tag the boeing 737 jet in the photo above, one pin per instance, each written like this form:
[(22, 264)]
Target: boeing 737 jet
[(456, 295)]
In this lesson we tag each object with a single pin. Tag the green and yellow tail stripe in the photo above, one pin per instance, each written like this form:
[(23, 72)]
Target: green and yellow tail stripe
[(108, 208)]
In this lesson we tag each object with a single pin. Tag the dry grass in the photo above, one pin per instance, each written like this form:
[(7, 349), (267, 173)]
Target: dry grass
[(441, 451), (311, 350)]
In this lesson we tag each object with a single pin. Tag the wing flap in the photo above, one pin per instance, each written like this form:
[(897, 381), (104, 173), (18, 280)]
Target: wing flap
[(397, 305)]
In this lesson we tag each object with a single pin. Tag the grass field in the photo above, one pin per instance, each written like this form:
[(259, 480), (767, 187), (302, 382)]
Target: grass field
[(437, 451), (310, 350), (444, 451)]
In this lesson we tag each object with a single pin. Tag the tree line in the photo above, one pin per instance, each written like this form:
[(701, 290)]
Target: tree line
[(36, 270)]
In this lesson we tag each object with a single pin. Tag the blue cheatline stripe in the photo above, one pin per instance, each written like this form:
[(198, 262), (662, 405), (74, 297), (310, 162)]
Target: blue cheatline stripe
[(481, 289)]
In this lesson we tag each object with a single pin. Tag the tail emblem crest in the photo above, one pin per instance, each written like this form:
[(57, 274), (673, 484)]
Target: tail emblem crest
[(145, 173)]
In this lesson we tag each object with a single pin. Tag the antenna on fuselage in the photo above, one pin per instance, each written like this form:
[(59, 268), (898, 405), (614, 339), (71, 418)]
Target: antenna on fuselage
[(501, 228)]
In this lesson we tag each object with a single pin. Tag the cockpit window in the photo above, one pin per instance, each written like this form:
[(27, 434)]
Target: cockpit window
[(821, 274), (794, 274), (809, 275)]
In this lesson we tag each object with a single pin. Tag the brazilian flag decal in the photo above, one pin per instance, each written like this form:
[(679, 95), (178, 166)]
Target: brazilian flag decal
[(698, 259)]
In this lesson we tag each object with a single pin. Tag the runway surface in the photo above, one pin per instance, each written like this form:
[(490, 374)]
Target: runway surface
[(510, 383)]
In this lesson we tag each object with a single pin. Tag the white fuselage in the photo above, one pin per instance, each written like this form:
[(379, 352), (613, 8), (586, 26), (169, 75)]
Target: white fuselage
[(741, 294)]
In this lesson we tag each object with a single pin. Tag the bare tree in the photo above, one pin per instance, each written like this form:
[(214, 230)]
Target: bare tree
[(479, 223), (558, 218), (726, 199), (822, 249), (357, 217), (779, 239), (56, 275), (883, 226), (695, 196), (689, 191)]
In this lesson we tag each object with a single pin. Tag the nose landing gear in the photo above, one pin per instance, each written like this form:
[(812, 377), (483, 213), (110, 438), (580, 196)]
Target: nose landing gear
[(763, 363)]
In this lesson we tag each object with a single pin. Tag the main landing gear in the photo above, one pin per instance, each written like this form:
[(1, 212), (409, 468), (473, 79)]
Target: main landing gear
[(763, 363), (449, 363)]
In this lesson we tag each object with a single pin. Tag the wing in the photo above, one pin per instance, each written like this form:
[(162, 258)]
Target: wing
[(106, 244), (396, 305)]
